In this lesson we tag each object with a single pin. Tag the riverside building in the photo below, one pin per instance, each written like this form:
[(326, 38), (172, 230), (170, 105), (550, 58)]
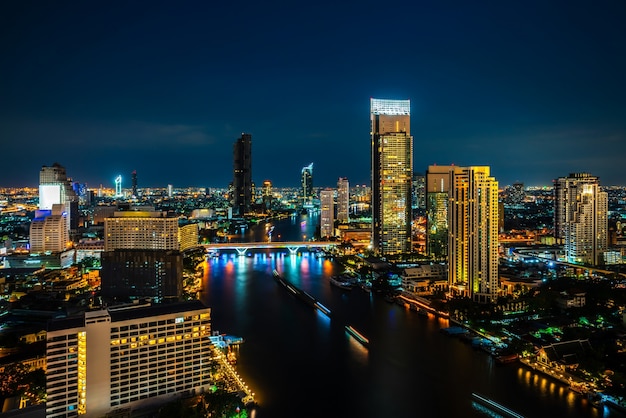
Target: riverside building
[(392, 172), (126, 358)]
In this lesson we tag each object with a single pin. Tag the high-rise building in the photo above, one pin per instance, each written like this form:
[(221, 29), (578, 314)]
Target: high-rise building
[(343, 200), (127, 358), (136, 229), (55, 188), (242, 174), (118, 186), (392, 171), (143, 255), (473, 233), (267, 195), (134, 183), (419, 191), (581, 218), (327, 215), (48, 230), (306, 180), (437, 185), (170, 190)]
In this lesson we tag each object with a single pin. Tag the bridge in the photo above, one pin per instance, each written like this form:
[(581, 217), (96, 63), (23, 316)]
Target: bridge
[(292, 246)]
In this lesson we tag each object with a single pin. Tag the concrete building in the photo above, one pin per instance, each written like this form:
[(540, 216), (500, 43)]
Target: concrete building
[(125, 358), (306, 183), (55, 188), (437, 189), (392, 172), (48, 230), (581, 218)]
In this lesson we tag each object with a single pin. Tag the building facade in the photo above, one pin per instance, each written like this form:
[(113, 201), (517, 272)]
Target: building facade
[(126, 358), (343, 200), (242, 174), (141, 230), (327, 215), (392, 172), (581, 218), (55, 188), (473, 233)]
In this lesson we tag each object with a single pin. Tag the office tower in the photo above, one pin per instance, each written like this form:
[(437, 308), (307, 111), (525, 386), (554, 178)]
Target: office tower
[(134, 183), (437, 185), (580, 218), (306, 180), (170, 191), (327, 218), (142, 274), (56, 188), (242, 177), (48, 230), (127, 358), (473, 234), (392, 170), (343, 200), (118, 186)]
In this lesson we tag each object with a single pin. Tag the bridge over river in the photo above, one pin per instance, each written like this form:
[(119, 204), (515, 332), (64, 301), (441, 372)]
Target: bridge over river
[(292, 246)]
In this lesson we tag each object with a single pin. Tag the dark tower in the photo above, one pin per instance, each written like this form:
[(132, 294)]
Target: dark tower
[(242, 174), (134, 180)]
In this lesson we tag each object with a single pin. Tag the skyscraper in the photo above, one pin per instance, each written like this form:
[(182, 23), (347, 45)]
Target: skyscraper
[(343, 200), (437, 192), (56, 188), (327, 218), (392, 171), (134, 183), (473, 233), (580, 218), (306, 181), (242, 174)]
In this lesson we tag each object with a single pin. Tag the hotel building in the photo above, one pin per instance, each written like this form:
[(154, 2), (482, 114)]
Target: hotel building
[(126, 358), (580, 218), (392, 171)]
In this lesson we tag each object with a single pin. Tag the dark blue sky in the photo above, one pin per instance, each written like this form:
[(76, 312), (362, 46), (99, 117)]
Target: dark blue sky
[(535, 89)]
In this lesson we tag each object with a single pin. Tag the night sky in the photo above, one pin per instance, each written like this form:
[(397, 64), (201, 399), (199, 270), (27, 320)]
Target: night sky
[(535, 89)]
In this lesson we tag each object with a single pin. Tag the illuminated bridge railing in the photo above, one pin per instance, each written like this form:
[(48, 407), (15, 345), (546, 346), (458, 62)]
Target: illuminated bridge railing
[(292, 246)]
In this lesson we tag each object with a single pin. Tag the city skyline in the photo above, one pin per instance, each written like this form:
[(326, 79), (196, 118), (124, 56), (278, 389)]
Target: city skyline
[(535, 91)]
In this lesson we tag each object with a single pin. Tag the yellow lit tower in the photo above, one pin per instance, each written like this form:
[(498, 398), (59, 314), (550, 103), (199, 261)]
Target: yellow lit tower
[(392, 171), (473, 233)]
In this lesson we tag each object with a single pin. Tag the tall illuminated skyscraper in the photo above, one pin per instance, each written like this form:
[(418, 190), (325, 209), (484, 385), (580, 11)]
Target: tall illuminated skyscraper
[(392, 171), (343, 199), (242, 174), (580, 217), (134, 183), (327, 218), (306, 181), (473, 233)]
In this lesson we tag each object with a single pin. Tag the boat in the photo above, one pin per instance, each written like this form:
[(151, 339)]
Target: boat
[(507, 358), (495, 407), (341, 283), (357, 335)]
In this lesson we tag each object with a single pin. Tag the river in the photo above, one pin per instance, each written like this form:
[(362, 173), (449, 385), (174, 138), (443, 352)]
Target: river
[(301, 363)]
